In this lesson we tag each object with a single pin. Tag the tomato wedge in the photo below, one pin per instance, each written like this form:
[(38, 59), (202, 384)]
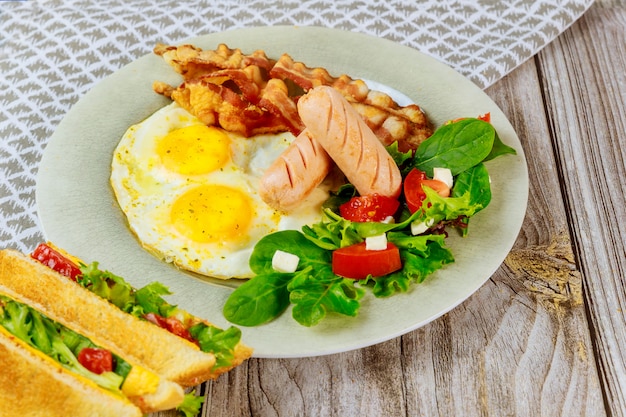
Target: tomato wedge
[(357, 262), (54, 260), (414, 193), (369, 208), (96, 360), (172, 325)]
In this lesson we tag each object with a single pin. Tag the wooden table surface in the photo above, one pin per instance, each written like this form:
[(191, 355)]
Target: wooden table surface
[(546, 335)]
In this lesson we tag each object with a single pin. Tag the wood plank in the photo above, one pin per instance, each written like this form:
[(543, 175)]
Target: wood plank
[(585, 90), (520, 345)]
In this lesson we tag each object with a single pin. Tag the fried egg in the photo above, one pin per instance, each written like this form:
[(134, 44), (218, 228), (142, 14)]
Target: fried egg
[(189, 192)]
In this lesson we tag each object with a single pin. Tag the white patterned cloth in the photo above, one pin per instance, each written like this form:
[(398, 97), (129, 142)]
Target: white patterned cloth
[(53, 52)]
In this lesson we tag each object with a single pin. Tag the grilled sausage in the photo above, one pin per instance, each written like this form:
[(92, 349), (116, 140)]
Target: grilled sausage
[(352, 145), (295, 174)]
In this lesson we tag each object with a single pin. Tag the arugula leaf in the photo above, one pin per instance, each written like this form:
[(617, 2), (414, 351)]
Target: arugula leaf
[(457, 146)]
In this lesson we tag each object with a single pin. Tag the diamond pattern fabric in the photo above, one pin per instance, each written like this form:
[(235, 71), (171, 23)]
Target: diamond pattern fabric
[(53, 52)]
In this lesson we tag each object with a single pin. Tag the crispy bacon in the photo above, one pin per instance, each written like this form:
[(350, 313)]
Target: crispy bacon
[(191, 61), (275, 98), (252, 94)]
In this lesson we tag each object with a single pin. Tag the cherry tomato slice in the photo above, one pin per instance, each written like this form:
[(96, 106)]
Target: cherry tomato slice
[(357, 262), (369, 208), (96, 360), (414, 194), (54, 260), (485, 117), (172, 325)]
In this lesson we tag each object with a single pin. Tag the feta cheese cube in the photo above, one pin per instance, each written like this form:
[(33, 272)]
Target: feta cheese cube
[(285, 261), (388, 220), (418, 227), (376, 242), (444, 175)]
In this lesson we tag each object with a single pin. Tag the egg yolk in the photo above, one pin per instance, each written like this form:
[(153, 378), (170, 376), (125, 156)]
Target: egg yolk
[(212, 213), (194, 150)]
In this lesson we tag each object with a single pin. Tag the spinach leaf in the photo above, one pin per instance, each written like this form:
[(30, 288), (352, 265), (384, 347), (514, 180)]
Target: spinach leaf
[(457, 146), (258, 300), (499, 149), (400, 158), (337, 198)]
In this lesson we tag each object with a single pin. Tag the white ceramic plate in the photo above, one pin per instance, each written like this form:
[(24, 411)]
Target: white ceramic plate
[(79, 213)]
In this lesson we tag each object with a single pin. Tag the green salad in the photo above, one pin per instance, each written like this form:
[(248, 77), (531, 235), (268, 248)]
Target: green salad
[(416, 229)]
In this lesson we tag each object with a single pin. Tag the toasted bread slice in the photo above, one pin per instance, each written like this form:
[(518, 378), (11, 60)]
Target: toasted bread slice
[(35, 385), (64, 301), (147, 390)]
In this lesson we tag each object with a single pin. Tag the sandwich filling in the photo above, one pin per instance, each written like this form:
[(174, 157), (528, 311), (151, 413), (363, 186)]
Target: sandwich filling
[(74, 351)]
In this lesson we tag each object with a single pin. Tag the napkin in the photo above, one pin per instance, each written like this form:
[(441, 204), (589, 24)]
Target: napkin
[(53, 52)]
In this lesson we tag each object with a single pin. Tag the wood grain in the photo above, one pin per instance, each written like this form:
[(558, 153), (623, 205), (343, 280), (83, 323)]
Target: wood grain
[(585, 89), (545, 336)]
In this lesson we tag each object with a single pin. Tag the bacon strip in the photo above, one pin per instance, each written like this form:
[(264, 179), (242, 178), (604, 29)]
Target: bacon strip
[(252, 94)]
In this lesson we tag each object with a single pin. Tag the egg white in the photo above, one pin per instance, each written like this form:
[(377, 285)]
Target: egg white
[(146, 190)]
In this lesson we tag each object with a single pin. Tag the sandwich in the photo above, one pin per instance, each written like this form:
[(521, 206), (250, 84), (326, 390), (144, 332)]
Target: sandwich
[(58, 313), (181, 347), (50, 369)]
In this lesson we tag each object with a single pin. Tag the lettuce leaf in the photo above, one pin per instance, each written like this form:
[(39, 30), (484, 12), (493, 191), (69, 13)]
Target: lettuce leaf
[(149, 299), (56, 341), (190, 406)]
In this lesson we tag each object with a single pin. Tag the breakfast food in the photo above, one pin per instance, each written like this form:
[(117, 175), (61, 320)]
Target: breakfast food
[(350, 142), (205, 178), (295, 174), (117, 317), (190, 192), (253, 94), (370, 242), (44, 350)]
